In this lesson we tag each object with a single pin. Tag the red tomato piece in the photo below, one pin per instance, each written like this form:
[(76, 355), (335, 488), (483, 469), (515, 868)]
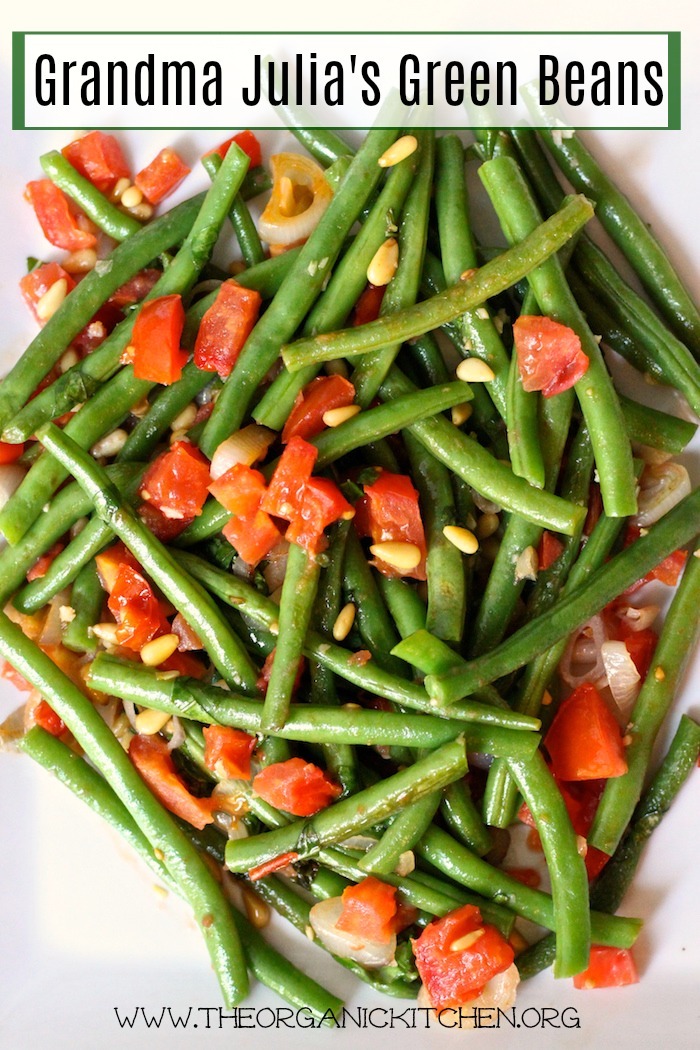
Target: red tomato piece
[(253, 536), (296, 786), (595, 860), (389, 510), (9, 453), (46, 717), (41, 565), (368, 305), (667, 571), (163, 528), (607, 968), (37, 282), (184, 664), (155, 340), (246, 141), (549, 550), (189, 640), (321, 394), (527, 876), (550, 357), (584, 741), (109, 561), (321, 503), (177, 482), (270, 866), (225, 327), (161, 176), (135, 289), (283, 497), (156, 768), (239, 490), (369, 910), (99, 158), (264, 679), (57, 220), (641, 646), (227, 751), (136, 609), (8, 672), (453, 975), (96, 331)]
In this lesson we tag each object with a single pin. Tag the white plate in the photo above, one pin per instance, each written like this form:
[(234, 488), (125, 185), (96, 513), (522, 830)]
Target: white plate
[(84, 932)]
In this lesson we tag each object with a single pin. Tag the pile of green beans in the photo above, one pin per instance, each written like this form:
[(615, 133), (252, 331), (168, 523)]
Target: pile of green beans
[(394, 683)]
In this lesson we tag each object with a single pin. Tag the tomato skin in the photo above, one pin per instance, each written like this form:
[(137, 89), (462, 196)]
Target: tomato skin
[(177, 482), (607, 968), (155, 766), (369, 910), (550, 357), (42, 564), (136, 609), (38, 281), (253, 536), (99, 158), (389, 510), (584, 741), (225, 327), (368, 305), (57, 221), (667, 571), (155, 340), (10, 453), (264, 678), (228, 751), (321, 394), (296, 786), (246, 141), (46, 717), (161, 176), (452, 978), (321, 504), (284, 493)]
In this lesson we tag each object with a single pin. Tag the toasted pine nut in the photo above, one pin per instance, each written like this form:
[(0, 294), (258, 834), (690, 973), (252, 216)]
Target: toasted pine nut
[(106, 632), (141, 211), (81, 261), (51, 299), (286, 203), (384, 262), (344, 621), (177, 435), (400, 149), (131, 197), (462, 943), (121, 186), (149, 721), (68, 359), (463, 539), (335, 416), (110, 444), (581, 846), (461, 413), (159, 649), (487, 525), (185, 419), (256, 909), (474, 370), (402, 556), (527, 566)]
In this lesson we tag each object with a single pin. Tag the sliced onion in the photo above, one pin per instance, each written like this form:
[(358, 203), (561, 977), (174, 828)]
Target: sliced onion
[(623, 676), (662, 486), (246, 446), (371, 954), (582, 660), (486, 506), (300, 195), (178, 734), (12, 730), (130, 712), (52, 630), (498, 993), (276, 566)]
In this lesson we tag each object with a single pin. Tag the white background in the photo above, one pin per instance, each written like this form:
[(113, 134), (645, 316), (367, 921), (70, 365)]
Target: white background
[(81, 928)]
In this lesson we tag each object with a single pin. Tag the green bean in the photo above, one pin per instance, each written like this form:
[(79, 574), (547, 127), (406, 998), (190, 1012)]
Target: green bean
[(404, 603), (257, 180), (680, 632), (676, 528), (167, 405), (84, 300), (296, 603), (87, 598), (463, 818), (182, 861), (115, 223), (522, 414), (372, 617), (241, 219), (648, 426), (322, 143), (221, 643), (298, 292), (488, 281), (354, 814), (407, 827)]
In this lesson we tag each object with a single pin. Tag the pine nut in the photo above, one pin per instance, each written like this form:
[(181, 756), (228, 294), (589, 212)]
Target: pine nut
[(131, 197), (159, 649), (106, 632), (286, 201), (141, 408), (185, 419), (659, 674), (397, 152), (66, 613), (384, 262), (335, 416), (256, 909), (344, 621), (474, 370), (149, 721), (527, 566), (461, 413), (110, 444), (68, 360), (462, 943), (81, 261), (177, 435), (487, 525), (51, 299), (142, 212), (463, 539), (121, 186), (402, 556)]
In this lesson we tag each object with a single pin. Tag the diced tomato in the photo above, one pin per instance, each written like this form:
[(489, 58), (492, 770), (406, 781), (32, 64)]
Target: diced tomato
[(246, 141), (41, 565), (98, 157), (189, 640), (667, 571), (270, 866), (185, 664), (527, 876), (595, 860), (46, 717), (296, 786), (584, 741), (641, 646), (177, 483), (161, 176), (37, 282), (368, 305), (264, 679), (549, 550), (155, 766), (369, 910), (405, 916), (550, 357), (227, 752), (283, 497), (322, 503), (163, 528), (10, 453), (109, 561), (57, 220), (253, 536), (155, 340), (453, 976), (136, 609), (98, 328), (135, 289), (607, 968), (389, 510), (240, 490), (318, 397), (225, 327)]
